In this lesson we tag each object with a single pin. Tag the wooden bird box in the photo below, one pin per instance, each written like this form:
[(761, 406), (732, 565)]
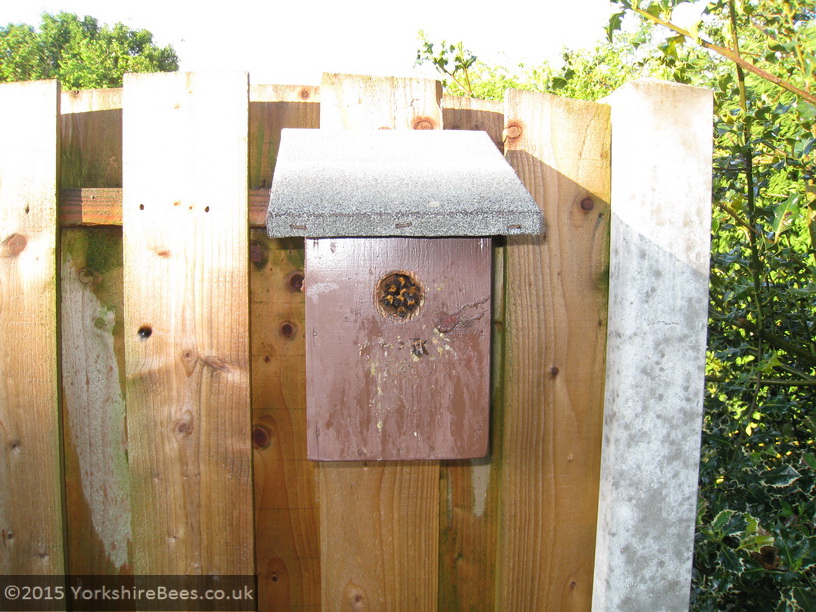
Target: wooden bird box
[(398, 228)]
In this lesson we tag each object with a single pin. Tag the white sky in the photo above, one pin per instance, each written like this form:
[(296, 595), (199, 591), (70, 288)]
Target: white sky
[(296, 41)]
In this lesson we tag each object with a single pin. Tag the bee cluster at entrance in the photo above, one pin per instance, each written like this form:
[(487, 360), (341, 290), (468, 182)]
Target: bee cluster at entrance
[(399, 295)]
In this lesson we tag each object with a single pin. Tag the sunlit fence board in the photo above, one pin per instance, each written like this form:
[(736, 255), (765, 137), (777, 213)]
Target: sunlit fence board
[(555, 291), (97, 482), (186, 321), (379, 521), (287, 539), (31, 523)]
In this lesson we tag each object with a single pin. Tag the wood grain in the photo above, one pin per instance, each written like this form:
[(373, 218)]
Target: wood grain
[(97, 484), (271, 109), (460, 113), (364, 102), (468, 511), (555, 348), (379, 521), (31, 519), (287, 542), (187, 322), (89, 206), (91, 126)]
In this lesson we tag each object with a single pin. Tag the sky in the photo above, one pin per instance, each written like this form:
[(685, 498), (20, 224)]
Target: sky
[(295, 42)]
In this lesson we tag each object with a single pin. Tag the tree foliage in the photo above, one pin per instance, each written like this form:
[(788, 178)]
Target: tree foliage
[(81, 53), (755, 545)]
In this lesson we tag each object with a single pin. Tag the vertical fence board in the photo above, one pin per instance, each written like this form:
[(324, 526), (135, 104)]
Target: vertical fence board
[(31, 512), (371, 103), (459, 113), (97, 486), (379, 521), (554, 374), (658, 315), (287, 542), (187, 322), (469, 489), (91, 125), (272, 108)]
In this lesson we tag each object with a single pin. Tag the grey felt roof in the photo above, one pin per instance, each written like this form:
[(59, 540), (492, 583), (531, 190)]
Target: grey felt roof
[(333, 183)]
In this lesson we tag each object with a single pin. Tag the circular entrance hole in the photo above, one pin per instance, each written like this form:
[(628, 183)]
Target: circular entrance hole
[(399, 295)]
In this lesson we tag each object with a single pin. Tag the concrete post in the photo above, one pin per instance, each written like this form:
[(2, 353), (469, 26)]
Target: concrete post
[(658, 306)]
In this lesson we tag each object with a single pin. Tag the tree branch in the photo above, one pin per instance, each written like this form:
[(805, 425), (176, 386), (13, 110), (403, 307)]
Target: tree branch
[(729, 54), (776, 340)]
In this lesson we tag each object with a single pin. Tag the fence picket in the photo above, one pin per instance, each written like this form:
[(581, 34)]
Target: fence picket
[(97, 485), (31, 522), (554, 354), (287, 540), (186, 322), (379, 521)]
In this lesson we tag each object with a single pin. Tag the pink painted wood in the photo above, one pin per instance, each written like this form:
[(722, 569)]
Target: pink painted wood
[(398, 348)]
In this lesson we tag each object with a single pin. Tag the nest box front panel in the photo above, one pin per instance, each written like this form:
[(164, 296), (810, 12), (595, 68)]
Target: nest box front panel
[(398, 348)]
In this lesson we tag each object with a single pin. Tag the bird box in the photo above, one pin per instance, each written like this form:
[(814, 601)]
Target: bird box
[(398, 228)]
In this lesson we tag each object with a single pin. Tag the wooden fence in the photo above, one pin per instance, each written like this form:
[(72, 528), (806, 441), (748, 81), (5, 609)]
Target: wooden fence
[(152, 413)]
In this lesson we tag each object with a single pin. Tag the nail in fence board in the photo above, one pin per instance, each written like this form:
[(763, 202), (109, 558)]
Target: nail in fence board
[(186, 321), (31, 524)]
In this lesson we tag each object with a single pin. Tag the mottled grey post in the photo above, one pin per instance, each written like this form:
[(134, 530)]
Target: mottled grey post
[(658, 305)]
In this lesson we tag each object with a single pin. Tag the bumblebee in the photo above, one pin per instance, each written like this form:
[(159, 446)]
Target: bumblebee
[(418, 348), (399, 295)]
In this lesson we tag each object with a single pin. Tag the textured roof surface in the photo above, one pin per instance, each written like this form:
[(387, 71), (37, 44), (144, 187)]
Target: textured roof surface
[(396, 183)]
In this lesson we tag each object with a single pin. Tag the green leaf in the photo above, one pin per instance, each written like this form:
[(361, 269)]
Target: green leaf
[(731, 560), (780, 477), (722, 518), (614, 24), (803, 598), (784, 214)]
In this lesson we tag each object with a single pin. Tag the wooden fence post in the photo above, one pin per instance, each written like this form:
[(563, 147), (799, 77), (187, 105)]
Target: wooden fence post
[(31, 509), (658, 310), (555, 292), (379, 522), (187, 322)]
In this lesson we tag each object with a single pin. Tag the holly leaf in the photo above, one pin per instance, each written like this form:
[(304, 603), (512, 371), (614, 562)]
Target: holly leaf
[(784, 213), (614, 25)]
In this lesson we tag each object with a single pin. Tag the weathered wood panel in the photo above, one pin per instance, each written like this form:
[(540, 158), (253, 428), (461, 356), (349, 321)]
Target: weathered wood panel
[(91, 150), (459, 113), (97, 485), (287, 541), (373, 103), (31, 519), (187, 322), (468, 512), (554, 372), (379, 521)]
